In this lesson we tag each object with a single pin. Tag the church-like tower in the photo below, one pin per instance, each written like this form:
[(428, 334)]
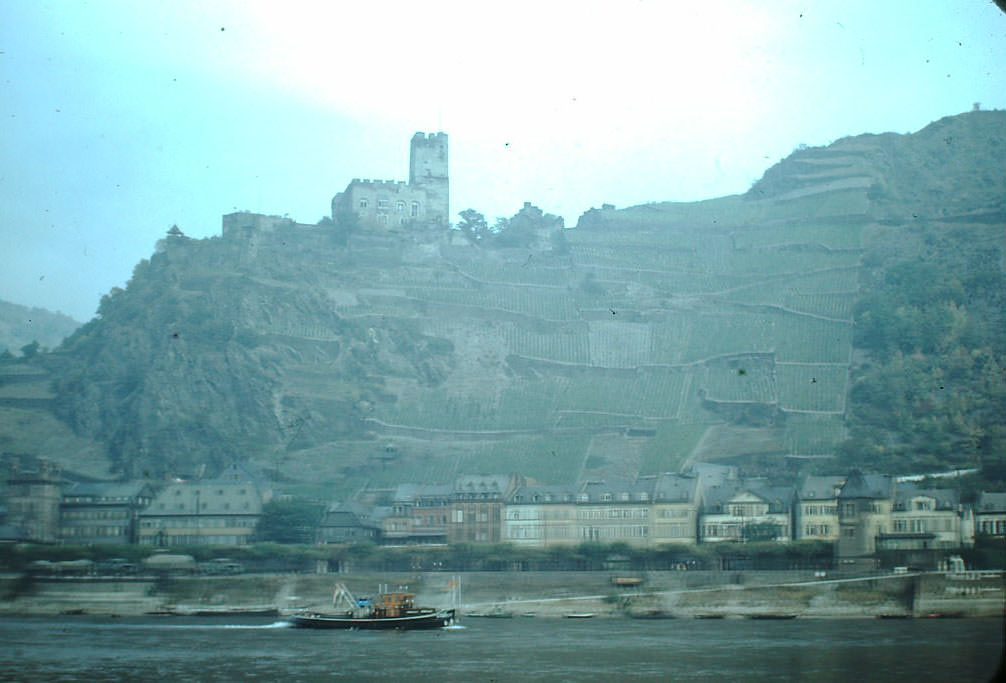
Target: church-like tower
[(428, 170)]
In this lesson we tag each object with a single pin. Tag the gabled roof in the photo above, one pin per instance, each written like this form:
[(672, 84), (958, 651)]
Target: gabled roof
[(352, 513), (815, 487), (989, 501), (779, 498), (859, 485), (946, 499)]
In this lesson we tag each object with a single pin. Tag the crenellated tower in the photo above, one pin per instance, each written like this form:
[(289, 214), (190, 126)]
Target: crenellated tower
[(428, 170)]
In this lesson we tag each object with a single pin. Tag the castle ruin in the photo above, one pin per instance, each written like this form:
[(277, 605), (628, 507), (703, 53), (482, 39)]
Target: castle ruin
[(391, 204)]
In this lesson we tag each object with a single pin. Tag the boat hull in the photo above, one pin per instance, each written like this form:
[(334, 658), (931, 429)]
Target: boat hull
[(437, 619)]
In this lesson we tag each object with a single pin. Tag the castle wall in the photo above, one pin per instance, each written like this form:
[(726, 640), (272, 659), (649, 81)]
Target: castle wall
[(383, 204)]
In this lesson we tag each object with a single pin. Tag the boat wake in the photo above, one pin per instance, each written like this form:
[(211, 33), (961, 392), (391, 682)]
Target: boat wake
[(452, 627)]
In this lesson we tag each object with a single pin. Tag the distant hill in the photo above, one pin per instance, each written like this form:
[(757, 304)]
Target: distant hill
[(21, 325), (731, 329)]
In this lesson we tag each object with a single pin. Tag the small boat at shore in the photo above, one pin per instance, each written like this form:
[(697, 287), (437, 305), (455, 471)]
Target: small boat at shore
[(386, 611), (579, 615), (651, 614), (771, 616)]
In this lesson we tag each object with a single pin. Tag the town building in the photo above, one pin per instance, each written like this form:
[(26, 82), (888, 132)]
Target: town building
[(381, 205), (418, 514), (33, 496), (864, 513), (541, 516), (990, 514), (351, 522), (222, 511), (746, 510), (816, 511), (676, 509), (476, 514), (104, 513)]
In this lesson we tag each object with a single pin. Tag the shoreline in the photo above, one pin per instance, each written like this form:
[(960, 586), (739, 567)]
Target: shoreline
[(519, 594)]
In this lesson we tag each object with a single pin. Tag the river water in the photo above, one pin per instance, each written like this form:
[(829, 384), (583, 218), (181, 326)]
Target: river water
[(172, 648)]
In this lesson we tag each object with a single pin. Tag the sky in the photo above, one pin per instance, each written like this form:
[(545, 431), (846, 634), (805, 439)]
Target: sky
[(119, 119)]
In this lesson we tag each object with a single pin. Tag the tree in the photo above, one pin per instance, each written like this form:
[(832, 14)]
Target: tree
[(288, 521), (473, 224), (759, 532), (28, 351)]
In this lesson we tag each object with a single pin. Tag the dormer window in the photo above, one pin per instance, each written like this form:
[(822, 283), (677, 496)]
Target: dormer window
[(606, 497), (623, 496)]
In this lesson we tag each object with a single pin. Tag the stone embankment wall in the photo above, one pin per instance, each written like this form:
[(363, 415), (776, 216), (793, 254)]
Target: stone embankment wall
[(682, 594)]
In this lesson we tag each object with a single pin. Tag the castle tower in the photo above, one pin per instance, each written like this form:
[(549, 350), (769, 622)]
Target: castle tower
[(34, 491), (428, 170)]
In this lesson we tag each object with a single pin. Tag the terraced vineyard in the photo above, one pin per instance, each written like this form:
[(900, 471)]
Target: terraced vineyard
[(654, 323)]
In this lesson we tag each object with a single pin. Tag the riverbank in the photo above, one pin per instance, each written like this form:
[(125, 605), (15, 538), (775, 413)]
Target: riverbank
[(543, 594)]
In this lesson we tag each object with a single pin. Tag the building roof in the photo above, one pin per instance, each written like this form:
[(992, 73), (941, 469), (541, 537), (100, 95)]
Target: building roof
[(478, 484), (779, 498), (710, 474), (407, 493), (946, 499), (106, 489), (524, 495), (214, 497), (676, 488), (989, 501), (859, 485), (618, 491), (352, 513), (815, 487)]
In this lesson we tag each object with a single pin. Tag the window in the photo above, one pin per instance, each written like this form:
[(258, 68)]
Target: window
[(382, 204), (364, 203), (399, 206), (415, 209)]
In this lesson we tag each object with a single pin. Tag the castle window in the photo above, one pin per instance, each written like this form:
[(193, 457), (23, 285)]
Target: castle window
[(399, 206), (415, 209), (382, 203), (363, 203)]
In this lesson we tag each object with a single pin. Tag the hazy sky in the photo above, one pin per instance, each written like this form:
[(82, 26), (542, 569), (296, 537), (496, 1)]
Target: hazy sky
[(118, 119)]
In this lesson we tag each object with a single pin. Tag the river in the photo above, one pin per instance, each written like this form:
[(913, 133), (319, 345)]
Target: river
[(91, 648)]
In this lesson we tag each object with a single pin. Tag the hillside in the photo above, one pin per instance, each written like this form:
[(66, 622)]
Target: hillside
[(21, 325), (641, 339)]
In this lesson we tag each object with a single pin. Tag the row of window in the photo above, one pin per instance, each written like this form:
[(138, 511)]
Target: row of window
[(182, 539), (219, 492), (95, 514), (199, 523), (593, 533), (613, 513), (384, 205), (814, 510), (923, 525), (203, 506), (94, 531)]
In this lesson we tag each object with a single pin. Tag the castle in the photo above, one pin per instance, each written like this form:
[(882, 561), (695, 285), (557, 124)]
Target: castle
[(379, 205), (389, 204)]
